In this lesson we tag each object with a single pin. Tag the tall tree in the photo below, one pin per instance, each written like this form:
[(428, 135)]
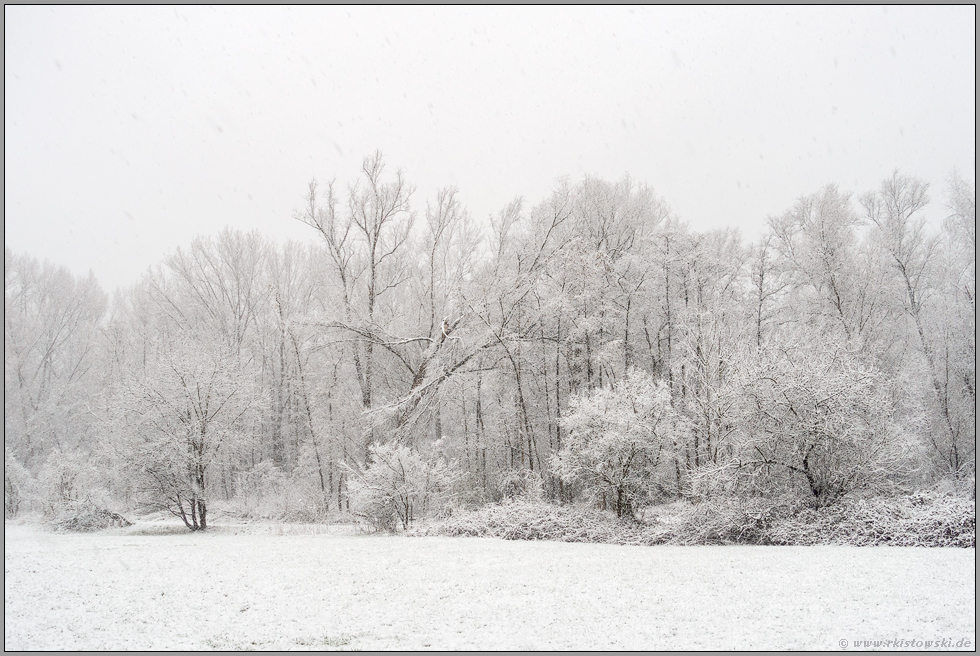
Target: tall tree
[(818, 239), (52, 341), (366, 244), (896, 211)]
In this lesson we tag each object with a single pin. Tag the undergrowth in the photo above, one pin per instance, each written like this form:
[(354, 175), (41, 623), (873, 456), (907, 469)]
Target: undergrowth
[(84, 517), (925, 519)]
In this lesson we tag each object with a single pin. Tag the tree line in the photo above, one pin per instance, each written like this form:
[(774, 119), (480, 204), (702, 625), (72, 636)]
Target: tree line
[(591, 347)]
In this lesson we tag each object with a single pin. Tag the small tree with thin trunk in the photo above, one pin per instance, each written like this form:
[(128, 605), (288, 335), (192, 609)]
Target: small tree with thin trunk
[(617, 437), (168, 425)]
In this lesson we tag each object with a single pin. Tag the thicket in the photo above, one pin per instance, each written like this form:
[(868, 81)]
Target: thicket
[(923, 519)]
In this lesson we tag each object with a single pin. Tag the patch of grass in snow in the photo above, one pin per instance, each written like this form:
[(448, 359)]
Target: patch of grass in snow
[(158, 529), (338, 641)]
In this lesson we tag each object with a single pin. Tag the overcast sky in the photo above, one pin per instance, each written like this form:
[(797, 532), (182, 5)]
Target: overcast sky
[(128, 131)]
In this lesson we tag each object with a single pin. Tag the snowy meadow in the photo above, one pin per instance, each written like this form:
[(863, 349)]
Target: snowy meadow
[(157, 586)]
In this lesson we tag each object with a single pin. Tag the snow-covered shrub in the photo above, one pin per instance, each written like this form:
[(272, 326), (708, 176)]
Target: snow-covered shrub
[(304, 501), (924, 519), (816, 416), (469, 493), (64, 479), (266, 492), (520, 483), (964, 487), (927, 519), (616, 439), (259, 491), (526, 519), (399, 486), (728, 520), (84, 516), (713, 480)]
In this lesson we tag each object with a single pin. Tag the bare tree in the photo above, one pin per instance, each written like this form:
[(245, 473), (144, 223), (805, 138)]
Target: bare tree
[(818, 240), (769, 280), (166, 427), (896, 211), (52, 359), (960, 285), (217, 284), (365, 245)]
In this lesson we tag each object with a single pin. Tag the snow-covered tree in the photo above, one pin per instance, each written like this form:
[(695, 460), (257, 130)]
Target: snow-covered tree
[(516, 353), (930, 279), (51, 358), (616, 438), (815, 412), (166, 426), (834, 287)]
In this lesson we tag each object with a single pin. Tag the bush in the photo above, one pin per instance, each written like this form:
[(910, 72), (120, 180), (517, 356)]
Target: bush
[(515, 483), (86, 517), (527, 519), (18, 485), (398, 486), (729, 520), (926, 519), (63, 481)]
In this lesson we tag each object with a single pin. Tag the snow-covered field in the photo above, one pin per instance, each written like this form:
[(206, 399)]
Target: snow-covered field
[(301, 587)]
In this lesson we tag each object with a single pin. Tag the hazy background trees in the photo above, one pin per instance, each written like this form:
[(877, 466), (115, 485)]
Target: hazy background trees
[(53, 373), (589, 347), (51, 356)]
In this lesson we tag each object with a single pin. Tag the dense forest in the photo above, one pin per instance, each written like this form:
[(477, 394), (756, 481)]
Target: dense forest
[(588, 349)]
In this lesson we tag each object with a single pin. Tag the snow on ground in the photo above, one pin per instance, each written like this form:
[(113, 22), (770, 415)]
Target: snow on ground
[(159, 587)]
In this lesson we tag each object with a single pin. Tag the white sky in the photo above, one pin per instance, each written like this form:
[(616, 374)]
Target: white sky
[(128, 131)]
